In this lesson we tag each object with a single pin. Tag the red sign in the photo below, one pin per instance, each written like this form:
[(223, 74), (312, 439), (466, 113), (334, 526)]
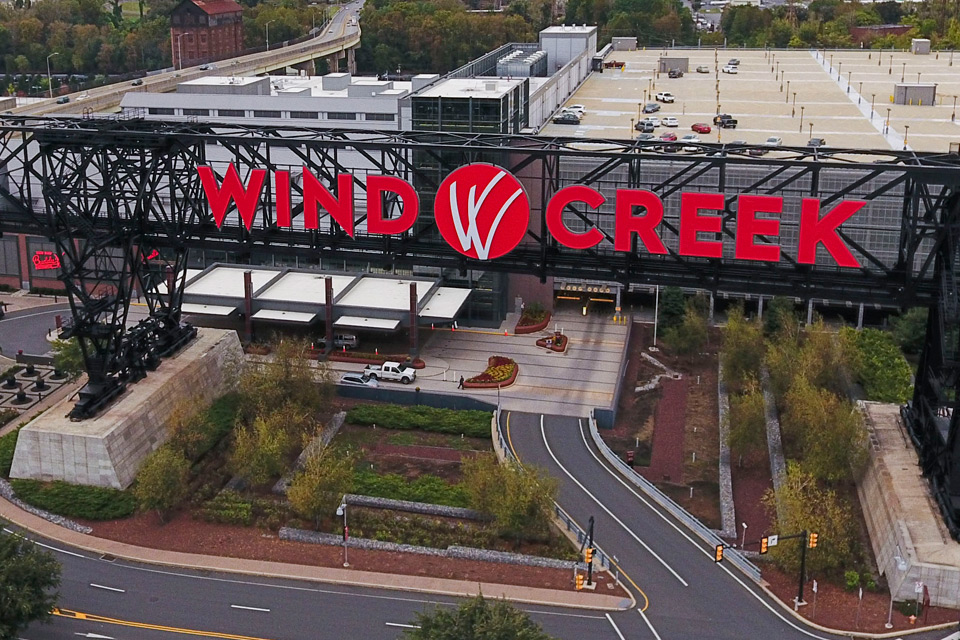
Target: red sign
[(483, 212), (43, 260)]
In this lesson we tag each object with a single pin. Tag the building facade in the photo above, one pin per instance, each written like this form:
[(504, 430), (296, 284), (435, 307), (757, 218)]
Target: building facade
[(205, 30)]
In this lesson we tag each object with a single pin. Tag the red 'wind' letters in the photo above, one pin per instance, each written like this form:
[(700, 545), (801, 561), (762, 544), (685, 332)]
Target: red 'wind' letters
[(482, 211)]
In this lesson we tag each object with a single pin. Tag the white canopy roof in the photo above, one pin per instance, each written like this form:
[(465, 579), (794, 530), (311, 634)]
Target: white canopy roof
[(206, 309), (284, 316), (357, 322)]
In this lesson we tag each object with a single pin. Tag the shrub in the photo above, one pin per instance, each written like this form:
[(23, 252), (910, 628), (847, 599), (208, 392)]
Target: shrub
[(6, 288), (162, 482), (76, 501), (879, 365), (852, 580), (47, 291), (426, 488), (228, 507), (318, 488), (534, 313), (8, 445), (194, 434), (392, 416)]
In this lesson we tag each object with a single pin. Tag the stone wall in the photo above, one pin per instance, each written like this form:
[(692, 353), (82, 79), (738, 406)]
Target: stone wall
[(107, 450)]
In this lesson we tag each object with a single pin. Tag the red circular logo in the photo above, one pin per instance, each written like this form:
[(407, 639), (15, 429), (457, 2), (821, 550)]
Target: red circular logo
[(482, 211)]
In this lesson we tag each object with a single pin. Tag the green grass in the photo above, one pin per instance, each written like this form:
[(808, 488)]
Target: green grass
[(8, 445), (76, 501), (215, 423), (392, 416), (426, 488)]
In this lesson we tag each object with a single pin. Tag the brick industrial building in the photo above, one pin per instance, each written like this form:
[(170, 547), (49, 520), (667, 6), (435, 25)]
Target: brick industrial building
[(205, 30)]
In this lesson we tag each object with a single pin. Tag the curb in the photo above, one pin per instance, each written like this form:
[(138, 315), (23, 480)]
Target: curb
[(469, 588)]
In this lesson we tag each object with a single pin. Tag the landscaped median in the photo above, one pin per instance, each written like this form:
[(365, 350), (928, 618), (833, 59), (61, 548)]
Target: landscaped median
[(533, 319), (557, 342), (500, 372)]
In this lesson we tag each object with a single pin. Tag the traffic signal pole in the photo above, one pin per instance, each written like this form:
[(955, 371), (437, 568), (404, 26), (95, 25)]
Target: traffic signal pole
[(803, 567), (590, 546)]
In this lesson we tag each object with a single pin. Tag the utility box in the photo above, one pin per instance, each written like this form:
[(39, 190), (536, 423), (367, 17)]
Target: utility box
[(915, 94), (920, 46), (624, 44), (666, 64)]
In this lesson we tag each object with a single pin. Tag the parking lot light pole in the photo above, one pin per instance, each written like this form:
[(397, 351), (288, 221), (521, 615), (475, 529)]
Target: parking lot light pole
[(49, 81), (788, 90), (886, 127), (890, 70), (811, 131), (953, 117), (859, 93), (903, 72), (342, 511), (906, 132), (873, 97), (801, 118)]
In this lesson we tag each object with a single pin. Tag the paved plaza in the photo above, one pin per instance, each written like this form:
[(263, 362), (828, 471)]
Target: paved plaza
[(794, 94)]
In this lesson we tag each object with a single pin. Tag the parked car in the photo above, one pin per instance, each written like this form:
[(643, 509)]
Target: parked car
[(689, 139), (644, 126), (566, 118), (391, 371), (137, 82), (665, 96), (340, 341), (359, 380), (758, 151), (579, 114), (646, 137), (729, 69), (670, 121), (654, 120), (725, 121), (773, 141), (651, 107), (63, 99), (668, 136), (703, 69), (816, 142), (701, 127), (733, 62), (83, 96), (579, 108), (207, 67), (675, 73)]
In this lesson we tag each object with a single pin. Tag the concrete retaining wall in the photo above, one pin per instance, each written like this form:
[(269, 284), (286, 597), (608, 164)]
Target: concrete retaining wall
[(107, 450)]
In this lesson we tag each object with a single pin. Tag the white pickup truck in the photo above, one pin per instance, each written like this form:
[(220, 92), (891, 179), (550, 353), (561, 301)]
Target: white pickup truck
[(391, 371)]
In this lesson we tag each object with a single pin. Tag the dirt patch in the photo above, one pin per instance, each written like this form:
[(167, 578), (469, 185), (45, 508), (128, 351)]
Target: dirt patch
[(185, 534)]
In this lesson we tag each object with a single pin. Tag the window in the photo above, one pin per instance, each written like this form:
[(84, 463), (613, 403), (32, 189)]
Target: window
[(340, 115), (160, 111), (196, 112), (231, 113), (305, 115), (266, 114), (9, 257), (382, 117)]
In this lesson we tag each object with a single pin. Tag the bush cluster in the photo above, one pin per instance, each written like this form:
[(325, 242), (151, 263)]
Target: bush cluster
[(75, 501), (389, 526), (426, 488), (879, 365), (392, 416), (229, 507), (210, 426), (8, 445)]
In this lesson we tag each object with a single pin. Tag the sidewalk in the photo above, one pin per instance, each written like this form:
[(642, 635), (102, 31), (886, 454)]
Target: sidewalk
[(99, 546), (21, 300)]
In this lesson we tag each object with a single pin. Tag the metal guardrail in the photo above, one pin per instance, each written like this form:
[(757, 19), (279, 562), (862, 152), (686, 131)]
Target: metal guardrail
[(706, 534)]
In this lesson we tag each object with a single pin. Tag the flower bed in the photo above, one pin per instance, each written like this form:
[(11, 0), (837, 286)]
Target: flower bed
[(500, 372), (557, 342), (530, 324), (374, 358), (257, 349)]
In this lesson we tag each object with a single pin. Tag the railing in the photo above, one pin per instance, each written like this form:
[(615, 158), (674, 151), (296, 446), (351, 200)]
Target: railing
[(706, 534)]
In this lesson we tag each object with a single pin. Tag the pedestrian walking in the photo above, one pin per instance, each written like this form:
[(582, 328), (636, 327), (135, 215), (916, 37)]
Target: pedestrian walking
[(460, 386)]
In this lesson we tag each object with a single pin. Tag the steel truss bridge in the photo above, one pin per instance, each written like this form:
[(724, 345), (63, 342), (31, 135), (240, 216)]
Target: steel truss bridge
[(110, 192)]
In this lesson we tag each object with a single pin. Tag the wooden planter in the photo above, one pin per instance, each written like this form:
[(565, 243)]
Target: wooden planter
[(557, 342), (522, 329)]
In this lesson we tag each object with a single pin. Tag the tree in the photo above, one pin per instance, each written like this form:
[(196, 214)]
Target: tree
[(519, 497), (289, 377), (260, 449), (748, 421), (910, 329), (162, 482), (802, 504), (743, 349), (68, 358), (317, 490), (672, 307), (780, 312), (29, 579), (476, 619), (689, 336)]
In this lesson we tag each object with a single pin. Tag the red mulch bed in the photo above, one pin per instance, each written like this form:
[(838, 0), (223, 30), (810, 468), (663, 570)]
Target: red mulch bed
[(443, 454), (750, 483), (185, 534), (666, 460)]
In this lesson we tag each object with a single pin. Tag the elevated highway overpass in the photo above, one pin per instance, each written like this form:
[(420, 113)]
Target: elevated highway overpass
[(338, 40)]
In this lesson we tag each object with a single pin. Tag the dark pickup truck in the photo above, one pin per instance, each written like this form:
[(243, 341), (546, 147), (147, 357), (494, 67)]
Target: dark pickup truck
[(725, 121)]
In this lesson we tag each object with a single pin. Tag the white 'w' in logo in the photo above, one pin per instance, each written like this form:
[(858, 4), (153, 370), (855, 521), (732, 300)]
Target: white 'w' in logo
[(471, 237)]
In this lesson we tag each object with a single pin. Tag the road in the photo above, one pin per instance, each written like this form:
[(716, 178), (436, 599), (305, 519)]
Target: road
[(673, 570), (191, 604), (27, 329)]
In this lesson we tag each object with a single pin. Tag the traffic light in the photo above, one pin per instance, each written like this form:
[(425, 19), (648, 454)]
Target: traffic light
[(763, 544), (813, 540), (588, 555), (579, 583), (718, 555)]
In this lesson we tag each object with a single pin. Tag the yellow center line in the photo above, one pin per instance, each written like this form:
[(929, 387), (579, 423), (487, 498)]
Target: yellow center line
[(90, 617), (646, 600)]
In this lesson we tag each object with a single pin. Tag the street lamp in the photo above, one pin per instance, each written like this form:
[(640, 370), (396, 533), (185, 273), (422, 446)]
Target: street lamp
[(801, 118), (903, 71), (918, 77), (886, 127), (873, 97), (906, 132), (859, 92), (342, 511), (788, 90), (743, 537), (49, 81), (901, 568), (849, 73), (268, 33), (839, 69), (180, 49), (953, 116), (811, 131)]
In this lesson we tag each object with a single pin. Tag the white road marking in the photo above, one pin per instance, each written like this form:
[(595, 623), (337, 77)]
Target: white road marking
[(609, 513), (92, 635), (100, 586), (647, 620), (766, 604), (240, 606), (46, 546), (402, 626), (615, 628)]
